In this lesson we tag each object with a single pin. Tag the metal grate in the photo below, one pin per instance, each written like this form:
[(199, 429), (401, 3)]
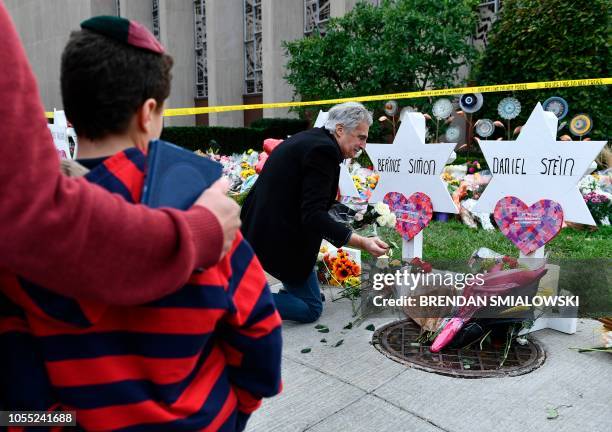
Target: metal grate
[(316, 15), (398, 341), (488, 12), (156, 25), (253, 67), (201, 75)]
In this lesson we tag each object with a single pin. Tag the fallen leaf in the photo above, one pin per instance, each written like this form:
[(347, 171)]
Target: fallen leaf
[(324, 330), (371, 327), (348, 326), (552, 413), (323, 340), (320, 326), (305, 351), (340, 342)]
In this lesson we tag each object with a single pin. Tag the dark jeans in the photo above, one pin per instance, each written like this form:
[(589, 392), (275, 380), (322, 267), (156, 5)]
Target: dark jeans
[(301, 301)]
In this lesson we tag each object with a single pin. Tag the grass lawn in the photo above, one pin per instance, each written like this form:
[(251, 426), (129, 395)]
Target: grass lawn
[(454, 240), (584, 257)]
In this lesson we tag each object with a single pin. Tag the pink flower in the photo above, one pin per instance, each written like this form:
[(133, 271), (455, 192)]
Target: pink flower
[(471, 170)]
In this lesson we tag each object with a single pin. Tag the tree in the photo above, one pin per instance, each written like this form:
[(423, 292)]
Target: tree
[(399, 46), (551, 40)]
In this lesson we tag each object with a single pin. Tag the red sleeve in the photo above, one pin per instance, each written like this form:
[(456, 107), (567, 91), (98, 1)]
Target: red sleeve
[(73, 237)]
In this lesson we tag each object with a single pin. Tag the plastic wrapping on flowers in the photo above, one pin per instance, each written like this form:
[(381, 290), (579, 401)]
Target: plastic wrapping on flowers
[(465, 184), (239, 168), (340, 268), (596, 191), (364, 179)]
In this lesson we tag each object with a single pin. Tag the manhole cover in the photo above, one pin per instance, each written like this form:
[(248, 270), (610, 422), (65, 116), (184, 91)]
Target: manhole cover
[(398, 341)]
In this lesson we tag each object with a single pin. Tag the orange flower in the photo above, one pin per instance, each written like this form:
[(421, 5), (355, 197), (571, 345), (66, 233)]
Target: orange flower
[(343, 274)]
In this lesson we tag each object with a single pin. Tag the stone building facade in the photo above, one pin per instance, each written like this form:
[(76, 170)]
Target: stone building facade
[(226, 52)]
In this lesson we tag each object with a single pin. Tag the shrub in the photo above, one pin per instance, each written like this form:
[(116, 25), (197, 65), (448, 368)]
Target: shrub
[(399, 46), (229, 140), (551, 40), (280, 127)]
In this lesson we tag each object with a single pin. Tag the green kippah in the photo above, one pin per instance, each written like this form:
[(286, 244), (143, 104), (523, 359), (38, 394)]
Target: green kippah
[(123, 30)]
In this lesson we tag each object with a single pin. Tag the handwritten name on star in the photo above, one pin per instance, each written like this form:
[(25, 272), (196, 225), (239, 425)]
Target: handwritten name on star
[(414, 166), (556, 166)]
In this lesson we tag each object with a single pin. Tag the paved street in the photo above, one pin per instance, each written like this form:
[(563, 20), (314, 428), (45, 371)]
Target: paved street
[(353, 387)]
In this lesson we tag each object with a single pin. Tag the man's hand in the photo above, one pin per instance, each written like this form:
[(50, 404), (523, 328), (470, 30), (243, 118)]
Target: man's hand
[(375, 246), (225, 209)]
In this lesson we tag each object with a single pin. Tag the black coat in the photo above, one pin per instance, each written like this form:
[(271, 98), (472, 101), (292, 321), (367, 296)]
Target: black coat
[(285, 216)]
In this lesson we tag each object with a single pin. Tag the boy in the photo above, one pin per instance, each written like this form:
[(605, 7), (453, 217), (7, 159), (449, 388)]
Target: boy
[(199, 359)]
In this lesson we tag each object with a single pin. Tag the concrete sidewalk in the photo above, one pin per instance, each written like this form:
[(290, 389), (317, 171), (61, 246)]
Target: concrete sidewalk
[(353, 387)]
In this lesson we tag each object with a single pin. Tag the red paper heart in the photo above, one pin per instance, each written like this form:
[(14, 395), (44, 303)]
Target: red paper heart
[(529, 228), (413, 214)]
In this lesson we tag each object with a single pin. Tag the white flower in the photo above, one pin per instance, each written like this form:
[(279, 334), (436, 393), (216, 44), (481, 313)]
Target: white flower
[(587, 184), (382, 208), (391, 219), (320, 256), (381, 220), (359, 217), (382, 262)]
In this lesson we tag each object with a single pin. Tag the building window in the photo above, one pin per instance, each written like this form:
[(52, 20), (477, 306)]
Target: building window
[(487, 15), (156, 30), (252, 47), (201, 72), (316, 15)]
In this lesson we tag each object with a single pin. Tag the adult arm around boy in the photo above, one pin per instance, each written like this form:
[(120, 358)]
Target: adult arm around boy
[(75, 238)]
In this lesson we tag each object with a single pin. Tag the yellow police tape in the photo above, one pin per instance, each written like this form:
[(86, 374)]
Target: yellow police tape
[(171, 112)]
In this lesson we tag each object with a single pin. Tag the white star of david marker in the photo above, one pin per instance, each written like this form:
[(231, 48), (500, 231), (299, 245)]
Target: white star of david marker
[(409, 165), (345, 183), (536, 166)]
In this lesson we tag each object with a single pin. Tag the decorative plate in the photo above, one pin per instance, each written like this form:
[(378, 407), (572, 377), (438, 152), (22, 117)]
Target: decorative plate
[(471, 102), (442, 108), (453, 133), (509, 108), (484, 128), (556, 105), (391, 108), (581, 125)]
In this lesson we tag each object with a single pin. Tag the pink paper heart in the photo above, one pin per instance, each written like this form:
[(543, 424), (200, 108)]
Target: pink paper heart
[(412, 214), (529, 228)]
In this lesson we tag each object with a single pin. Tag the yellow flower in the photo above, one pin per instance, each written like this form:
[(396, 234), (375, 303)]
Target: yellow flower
[(247, 173), (352, 281)]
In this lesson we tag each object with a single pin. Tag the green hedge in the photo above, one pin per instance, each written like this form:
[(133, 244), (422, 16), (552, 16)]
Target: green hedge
[(280, 127), (535, 40), (230, 140)]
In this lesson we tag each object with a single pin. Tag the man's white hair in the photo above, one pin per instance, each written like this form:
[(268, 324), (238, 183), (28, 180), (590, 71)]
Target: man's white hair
[(348, 114)]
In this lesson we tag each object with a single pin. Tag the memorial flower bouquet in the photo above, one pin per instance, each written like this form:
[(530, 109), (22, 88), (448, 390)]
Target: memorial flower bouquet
[(371, 217), (473, 166), (340, 268), (600, 207), (365, 182)]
